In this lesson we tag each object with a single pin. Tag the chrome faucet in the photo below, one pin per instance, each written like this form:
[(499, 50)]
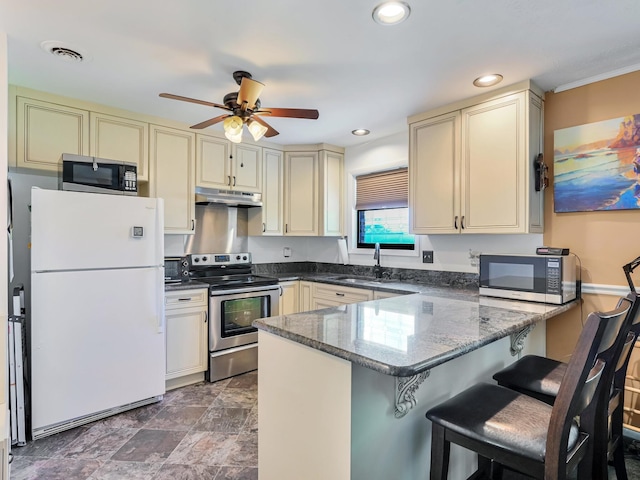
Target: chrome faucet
[(377, 270)]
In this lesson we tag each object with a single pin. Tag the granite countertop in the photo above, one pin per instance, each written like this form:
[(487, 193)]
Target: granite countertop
[(353, 281), (172, 287), (406, 335)]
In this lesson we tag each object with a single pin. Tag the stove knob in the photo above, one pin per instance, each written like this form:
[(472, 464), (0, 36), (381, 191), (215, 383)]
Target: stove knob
[(185, 274), (237, 257), (185, 264), (244, 258), (196, 260), (204, 259)]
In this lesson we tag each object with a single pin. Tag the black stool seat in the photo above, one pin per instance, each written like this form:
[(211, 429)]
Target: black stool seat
[(537, 376), (502, 418)]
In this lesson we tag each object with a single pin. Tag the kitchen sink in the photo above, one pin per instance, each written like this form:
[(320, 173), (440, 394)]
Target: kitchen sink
[(352, 279)]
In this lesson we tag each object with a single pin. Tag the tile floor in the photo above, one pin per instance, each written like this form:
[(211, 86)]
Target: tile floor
[(204, 431)]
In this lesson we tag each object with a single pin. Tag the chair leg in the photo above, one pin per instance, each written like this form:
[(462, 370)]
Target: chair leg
[(440, 450), (616, 433)]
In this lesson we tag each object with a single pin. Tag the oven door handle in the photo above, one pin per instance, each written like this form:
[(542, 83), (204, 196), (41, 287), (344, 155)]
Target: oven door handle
[(234, 291)]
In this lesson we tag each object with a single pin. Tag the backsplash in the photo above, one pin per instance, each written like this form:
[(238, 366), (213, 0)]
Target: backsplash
[(427, 277)]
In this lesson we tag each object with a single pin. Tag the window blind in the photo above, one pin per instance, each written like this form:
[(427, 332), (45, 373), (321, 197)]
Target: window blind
[(388, 189)]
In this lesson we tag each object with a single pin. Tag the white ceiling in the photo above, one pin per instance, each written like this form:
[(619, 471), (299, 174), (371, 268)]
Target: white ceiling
[(326, 54)]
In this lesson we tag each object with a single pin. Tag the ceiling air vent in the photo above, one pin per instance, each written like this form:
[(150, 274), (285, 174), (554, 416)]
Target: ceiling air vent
[(64, 52)]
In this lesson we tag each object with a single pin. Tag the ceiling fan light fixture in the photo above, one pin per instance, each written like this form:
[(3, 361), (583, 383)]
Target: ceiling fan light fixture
[(391, 13), (488, 80), (235, 138), (233, 126), (256, 129)]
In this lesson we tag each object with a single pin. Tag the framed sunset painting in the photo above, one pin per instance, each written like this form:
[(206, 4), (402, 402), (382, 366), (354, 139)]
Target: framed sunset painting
[(596, 166)]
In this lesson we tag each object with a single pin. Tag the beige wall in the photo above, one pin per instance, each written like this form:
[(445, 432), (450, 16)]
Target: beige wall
[(604, 241)]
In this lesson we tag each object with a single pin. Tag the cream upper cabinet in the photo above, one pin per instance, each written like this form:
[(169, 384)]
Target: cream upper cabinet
[(269, 219), (301, 193), (44, 131), (122, 139), (471, 170), (219, 164), (331, 188), (313, 191), (172, 176)]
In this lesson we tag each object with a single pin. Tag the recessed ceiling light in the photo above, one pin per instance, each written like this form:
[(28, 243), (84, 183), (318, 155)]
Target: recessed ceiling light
[(488, 80), (65, 52), (391, 13), (360, 132)]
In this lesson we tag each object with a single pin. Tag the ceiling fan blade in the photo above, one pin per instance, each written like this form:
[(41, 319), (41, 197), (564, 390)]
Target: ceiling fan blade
[(193, 100), (271, 132), (249, 92), (289, 112), (211, 121)]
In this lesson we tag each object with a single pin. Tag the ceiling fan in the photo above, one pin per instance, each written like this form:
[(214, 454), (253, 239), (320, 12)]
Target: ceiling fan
[(245, 108)]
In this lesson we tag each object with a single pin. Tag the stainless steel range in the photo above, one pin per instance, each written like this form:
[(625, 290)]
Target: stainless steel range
[(236, 299)]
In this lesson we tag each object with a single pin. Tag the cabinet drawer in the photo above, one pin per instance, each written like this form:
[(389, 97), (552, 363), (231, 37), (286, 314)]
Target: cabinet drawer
[(186, 298), (343, 294)]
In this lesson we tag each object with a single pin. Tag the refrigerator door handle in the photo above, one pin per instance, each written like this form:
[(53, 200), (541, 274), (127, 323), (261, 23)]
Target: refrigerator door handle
[(160, 297)]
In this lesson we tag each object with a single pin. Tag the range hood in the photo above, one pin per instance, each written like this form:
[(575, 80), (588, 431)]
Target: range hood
[(234, 198)]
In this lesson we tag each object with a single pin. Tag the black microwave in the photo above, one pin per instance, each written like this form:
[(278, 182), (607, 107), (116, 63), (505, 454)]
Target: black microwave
[(536, 278), (97, 175)]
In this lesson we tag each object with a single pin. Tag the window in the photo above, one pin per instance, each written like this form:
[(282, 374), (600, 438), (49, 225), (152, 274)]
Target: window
[(383, 213)]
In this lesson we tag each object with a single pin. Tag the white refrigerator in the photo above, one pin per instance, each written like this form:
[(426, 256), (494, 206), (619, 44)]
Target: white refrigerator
[(97, 300)]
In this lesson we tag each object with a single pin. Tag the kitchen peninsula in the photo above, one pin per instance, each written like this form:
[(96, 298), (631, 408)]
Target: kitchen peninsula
[(343, 391)]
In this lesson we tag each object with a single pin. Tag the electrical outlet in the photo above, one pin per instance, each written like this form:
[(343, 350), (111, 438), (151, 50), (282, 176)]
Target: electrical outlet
[(427, 256)]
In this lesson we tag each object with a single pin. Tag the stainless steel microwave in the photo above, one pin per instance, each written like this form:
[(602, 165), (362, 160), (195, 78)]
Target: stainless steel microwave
[(535, 278), (91, 174)]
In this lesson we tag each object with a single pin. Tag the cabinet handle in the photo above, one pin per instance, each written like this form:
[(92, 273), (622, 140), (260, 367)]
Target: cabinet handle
[(206, 317), (281, 290), (455, 222), (234, 180), (264, 227), (286, 228), (184, 299), (229, 180), (462, 222), (193, 225), (340, 294)]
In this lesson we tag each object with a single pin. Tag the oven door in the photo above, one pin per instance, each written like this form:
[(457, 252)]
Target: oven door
[(232, 312)]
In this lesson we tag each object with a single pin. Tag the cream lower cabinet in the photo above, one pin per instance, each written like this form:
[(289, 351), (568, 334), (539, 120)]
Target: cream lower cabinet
[(44, 131), (122, 139), (378, 295), (221, 164), (269, 219), (471, 170), (306, 296), (186, 332), (172, 176), (324, 295), (289, 297)]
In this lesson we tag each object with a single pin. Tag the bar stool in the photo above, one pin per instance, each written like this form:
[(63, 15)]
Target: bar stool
[(541, 377), (510, 429)]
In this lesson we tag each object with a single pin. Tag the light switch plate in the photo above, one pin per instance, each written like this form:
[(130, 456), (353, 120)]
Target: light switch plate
[(427, 256)]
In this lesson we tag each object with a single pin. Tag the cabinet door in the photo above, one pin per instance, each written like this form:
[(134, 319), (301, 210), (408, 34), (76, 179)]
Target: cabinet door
[(290, 298), (305, 296), (44, 131), (331, 182), (342, 295), (213, 168), (172, 177), (246, 168), (120, 139), (301, 193), (493, 139), (186, 337), (269, 220), (434, 185)]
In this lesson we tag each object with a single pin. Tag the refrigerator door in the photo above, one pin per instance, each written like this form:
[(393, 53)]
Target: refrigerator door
[(97, 342), (74, 230)]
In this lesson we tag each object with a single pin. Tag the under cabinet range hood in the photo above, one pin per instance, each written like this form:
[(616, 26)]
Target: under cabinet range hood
[(234, 198)]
